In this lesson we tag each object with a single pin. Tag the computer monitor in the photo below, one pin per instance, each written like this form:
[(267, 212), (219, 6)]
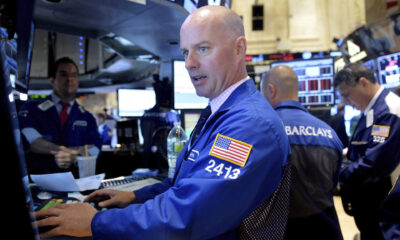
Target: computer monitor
[(133, 102), (389, 70), (315, 80), (128, 133), (185, 96)]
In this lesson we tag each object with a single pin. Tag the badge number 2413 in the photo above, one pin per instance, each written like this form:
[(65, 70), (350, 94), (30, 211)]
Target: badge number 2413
[(220, 169)]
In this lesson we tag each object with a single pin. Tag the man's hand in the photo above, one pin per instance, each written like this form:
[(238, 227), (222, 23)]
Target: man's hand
[(67, 219), (108, 198), (64, 157)]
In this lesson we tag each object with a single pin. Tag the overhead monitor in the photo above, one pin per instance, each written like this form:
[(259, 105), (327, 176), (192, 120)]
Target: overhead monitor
[(133, 102), (389, 70), (185, 96), (315, 80)]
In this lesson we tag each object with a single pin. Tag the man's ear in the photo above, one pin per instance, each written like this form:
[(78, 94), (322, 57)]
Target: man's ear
[(241, 46), (363, 81), (272, 90)]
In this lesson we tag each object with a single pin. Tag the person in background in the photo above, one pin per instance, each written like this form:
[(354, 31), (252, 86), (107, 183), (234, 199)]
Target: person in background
[(155, 125), (228, 167), (373, 149), (104, 130), (56, 129), (337, 123), (316, 158)]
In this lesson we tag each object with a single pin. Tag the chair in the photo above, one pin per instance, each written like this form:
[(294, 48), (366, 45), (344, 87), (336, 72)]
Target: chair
[(159, 158), (269, 220)]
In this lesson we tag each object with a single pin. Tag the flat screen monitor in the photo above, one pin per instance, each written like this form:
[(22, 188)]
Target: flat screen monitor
[(133, 102), (315, 80), (185, 96), (389, 70), (128, 132)]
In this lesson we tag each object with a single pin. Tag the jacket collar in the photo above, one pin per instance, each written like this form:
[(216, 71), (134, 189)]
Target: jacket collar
[(290, 104), (240, 93)]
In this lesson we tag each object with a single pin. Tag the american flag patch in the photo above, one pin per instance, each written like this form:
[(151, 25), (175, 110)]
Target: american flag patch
[(231, 150), (382, 131)]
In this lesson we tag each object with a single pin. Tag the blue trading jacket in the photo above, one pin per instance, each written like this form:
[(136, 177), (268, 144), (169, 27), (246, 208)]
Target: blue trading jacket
[(390, 214), (374, 145), (80, 129), (374, 156), (209, 196), (316, 159)]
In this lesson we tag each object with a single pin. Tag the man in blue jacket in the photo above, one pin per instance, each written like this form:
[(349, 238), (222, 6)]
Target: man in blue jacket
[(223, 175), (57, 128), (316, 159), (373, 149)]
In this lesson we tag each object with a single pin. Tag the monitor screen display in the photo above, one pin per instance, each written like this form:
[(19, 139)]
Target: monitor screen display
[(315, 80), (389, 70), (185, 96), (133, 102)]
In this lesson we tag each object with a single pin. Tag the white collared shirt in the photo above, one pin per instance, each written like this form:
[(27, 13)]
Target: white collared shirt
[(373, 100), (217, 102), (57, 104)]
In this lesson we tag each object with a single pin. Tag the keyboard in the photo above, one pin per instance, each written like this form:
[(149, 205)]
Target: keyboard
[(128, 184)]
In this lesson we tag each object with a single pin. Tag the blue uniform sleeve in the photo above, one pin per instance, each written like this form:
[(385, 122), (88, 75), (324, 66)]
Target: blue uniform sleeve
[(390, 214), (149, 192), (213, 197), (27, 115), (28, 118), (381, 155), (93, 136)]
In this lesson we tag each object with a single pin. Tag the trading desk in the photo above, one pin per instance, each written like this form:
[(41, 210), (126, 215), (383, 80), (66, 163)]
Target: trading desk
[(127, 183)]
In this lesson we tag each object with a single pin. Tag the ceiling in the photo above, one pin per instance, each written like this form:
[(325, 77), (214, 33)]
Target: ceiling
[(151, 28)]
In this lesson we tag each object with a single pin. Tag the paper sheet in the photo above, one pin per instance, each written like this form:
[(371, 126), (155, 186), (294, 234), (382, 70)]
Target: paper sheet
[(65, 182)]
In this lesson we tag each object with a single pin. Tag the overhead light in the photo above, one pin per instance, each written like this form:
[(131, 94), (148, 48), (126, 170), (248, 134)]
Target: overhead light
[(107, 81), (138, 1), (52, 1), (124, 42)]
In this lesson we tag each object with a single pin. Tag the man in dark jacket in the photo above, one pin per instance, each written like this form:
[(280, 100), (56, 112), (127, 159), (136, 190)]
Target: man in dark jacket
[(316, 158), (373, 149)]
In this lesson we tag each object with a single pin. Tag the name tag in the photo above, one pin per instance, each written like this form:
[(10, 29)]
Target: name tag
[(44, 106), (79, 123), (193, 155)]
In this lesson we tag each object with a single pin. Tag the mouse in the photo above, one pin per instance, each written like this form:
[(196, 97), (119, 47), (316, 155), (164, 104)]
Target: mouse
[(44, 195)]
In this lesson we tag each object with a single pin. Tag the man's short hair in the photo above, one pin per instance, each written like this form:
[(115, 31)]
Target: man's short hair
[(352, 73), (63, 60)]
